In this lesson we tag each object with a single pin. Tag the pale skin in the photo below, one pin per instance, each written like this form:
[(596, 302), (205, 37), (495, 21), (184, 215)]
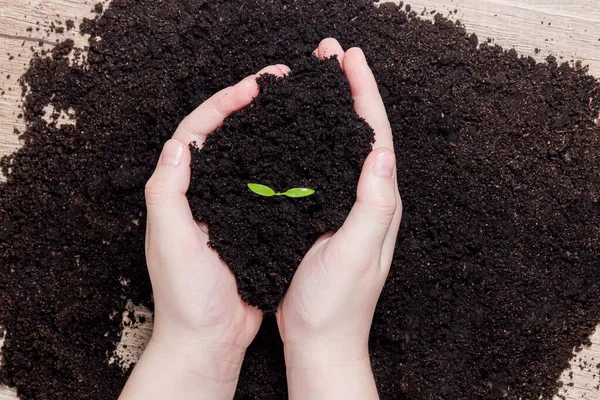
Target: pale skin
[(202, 328)]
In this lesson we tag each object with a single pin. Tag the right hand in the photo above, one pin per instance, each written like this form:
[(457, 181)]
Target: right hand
[(326, 314)]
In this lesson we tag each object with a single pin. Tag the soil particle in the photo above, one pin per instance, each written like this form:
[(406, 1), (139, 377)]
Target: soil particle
[(495, 274)]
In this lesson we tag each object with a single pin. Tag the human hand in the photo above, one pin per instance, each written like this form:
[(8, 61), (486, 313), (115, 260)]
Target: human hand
[(202, 328), (326, 314)]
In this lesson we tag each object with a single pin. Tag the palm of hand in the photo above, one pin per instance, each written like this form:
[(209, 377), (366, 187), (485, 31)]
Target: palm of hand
[(206, 298)]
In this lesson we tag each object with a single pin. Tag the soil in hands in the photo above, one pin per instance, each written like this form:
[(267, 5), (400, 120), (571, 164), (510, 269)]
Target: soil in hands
[(300, 132)]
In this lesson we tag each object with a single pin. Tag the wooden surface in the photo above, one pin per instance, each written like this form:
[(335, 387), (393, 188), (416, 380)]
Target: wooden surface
[(568, 29)]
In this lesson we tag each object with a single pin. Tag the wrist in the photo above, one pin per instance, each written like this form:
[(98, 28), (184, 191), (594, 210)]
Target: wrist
[(325, 372), (204, 352), (208, 363), (324, 355), (184, 371)]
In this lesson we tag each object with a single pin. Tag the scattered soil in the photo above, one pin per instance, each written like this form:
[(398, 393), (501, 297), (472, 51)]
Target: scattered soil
[(300, 132), (495, 276)]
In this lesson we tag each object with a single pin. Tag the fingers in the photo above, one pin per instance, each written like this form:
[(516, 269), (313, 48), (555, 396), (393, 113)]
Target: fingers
[(210, 114), (389, 244), (377, 196), (367, 100), (367, 225), (165, 191), (330, 47), (168, 210)]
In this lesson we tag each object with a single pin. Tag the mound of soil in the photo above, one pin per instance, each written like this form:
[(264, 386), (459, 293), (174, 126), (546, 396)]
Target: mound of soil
[(495, 275), (300, 132)]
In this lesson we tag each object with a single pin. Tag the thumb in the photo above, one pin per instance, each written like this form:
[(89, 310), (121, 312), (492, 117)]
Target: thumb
[(168, 209), (369, 220)]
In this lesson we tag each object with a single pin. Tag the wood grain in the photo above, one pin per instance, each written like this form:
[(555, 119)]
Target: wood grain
[(16, 44), (568, 29)]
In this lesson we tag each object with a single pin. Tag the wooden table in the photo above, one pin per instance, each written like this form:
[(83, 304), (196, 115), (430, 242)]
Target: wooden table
[(569, 29)]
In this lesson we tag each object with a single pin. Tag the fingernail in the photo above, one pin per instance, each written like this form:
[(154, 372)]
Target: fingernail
[(172, 153), (284, 68), (384, 164), (203, 227), (361, 53)]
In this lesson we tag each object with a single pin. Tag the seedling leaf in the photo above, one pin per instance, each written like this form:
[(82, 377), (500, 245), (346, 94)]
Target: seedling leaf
[(298, 192), (261, 189)]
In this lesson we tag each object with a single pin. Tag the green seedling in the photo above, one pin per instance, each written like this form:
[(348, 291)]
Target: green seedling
[(268, 192)]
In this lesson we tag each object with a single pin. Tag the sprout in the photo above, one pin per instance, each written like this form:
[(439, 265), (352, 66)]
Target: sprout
[(262, 190), (268, 192), (298, 192)]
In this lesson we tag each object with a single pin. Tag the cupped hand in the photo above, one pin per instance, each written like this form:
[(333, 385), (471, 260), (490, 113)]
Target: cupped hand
[(326, 314), (201, 326)]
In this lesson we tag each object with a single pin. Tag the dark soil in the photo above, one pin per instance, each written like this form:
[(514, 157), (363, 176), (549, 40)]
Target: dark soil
[(496, 273), (300, 132)]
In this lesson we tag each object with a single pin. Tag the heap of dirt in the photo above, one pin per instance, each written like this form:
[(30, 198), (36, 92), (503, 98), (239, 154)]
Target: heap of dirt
[(300, 132), (495, 275)]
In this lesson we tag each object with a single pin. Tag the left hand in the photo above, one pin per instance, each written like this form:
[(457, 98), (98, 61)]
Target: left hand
[(201, 325)]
